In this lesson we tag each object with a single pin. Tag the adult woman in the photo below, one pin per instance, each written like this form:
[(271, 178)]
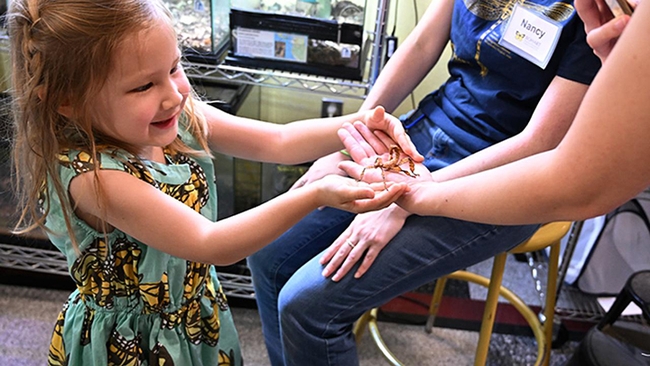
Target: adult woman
[(496, 107), (601, 162)]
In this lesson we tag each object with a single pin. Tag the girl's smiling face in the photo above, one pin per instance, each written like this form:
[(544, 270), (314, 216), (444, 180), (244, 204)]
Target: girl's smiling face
[(145, 92)]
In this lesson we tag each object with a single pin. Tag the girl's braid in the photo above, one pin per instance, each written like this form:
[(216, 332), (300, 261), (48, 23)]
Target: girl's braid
[(31, 52)]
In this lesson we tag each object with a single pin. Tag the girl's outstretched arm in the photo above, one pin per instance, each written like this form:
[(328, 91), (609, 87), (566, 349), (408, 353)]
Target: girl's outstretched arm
[(295, 142), (162, 222)]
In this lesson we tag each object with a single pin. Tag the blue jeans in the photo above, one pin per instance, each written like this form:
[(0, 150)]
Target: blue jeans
[(307, 319)]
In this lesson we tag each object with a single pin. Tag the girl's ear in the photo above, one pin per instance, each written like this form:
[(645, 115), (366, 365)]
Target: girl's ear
[(65, 110)]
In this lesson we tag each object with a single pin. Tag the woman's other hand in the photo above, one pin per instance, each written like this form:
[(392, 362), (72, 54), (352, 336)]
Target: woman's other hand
[(320, 168), (350, 195), (377, 120), (362, 241)]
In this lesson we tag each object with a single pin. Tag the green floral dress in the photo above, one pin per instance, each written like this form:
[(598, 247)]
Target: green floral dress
[(135, 305)]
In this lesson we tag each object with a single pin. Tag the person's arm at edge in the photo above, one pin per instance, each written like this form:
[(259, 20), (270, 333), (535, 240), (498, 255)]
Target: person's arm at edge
[(414, 58)]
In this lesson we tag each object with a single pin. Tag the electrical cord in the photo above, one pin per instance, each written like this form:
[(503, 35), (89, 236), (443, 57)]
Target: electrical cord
[(395, 19), (416, 13)]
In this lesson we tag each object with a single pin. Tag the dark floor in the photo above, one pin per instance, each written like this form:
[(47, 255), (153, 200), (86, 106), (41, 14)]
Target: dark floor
[(27, 315)]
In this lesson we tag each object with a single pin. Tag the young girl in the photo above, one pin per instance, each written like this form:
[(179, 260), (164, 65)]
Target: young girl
[(112, 159)]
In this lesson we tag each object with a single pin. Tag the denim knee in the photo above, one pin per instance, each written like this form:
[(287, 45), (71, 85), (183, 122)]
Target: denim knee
[(438, 148)]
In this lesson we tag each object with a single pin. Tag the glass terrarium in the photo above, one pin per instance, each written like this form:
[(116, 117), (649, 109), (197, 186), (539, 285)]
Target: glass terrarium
[(202, 26), (321, 37), (342, 11)]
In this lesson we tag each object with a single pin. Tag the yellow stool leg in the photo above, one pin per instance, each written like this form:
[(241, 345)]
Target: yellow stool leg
[(436, 299), (360, 325), (370, 318), (379, 341), (489, 313), (530, 317), (549, 307)]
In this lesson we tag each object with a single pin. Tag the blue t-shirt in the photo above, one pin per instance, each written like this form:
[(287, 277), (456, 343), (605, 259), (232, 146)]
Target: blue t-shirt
[(492, 92)]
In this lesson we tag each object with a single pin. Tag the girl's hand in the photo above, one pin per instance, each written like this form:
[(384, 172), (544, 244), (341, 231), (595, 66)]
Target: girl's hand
[(602, 28), (377, 120), (320, 168), (350, 195)]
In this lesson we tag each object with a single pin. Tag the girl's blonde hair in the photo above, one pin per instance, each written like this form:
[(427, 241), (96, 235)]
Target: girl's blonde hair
[(61, 53)]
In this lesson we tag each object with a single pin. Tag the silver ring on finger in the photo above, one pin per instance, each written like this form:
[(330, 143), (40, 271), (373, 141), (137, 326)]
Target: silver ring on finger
[(351, 244)]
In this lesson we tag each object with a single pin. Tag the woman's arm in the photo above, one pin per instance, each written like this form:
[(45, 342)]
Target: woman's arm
[(414, 58), (548, 125), (603, 160)]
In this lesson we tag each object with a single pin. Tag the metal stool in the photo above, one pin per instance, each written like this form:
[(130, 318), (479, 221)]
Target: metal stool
[(547, 235), (636, 290), (606, 344)]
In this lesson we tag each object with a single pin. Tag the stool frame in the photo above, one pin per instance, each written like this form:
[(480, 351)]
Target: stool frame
[(549, 235)]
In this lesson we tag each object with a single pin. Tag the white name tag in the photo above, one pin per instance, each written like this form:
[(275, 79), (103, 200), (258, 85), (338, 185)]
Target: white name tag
[(531, 35)]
